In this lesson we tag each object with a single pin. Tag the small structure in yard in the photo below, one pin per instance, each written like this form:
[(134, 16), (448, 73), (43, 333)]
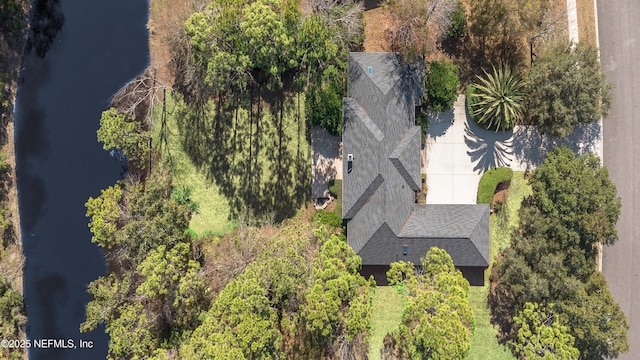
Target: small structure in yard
[(384, 223)]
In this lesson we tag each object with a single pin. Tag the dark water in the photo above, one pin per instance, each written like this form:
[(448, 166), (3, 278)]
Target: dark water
[(101, 45)]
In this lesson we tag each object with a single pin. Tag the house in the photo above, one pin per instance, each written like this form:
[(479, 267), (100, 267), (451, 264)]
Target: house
[(381, 175)]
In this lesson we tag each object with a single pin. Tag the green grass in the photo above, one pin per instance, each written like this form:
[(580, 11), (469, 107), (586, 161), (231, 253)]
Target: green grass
[(490, 180), (335, 187), (387, 313), (213, 207), (483, 341), (506, 221), (484, 344), (253, 168)]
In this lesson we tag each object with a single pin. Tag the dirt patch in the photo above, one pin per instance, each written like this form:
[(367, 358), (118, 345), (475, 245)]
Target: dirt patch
[(11, 190), (586, 21), (376, 22), (500, 196), (166, 19)]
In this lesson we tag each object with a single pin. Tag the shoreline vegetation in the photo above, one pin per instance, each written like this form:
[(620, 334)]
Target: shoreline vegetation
[(13, 39)]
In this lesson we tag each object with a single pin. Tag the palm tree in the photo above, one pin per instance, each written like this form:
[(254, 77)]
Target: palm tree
[(496, 103)]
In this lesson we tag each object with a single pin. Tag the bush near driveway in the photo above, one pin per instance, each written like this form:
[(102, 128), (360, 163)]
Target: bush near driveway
[(442, 83), (490, 180)]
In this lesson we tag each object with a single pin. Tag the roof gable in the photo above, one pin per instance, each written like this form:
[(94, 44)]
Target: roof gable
[(383, 142), (406, 160)]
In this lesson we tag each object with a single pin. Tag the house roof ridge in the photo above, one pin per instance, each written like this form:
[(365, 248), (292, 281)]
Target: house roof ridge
[(362, 115)]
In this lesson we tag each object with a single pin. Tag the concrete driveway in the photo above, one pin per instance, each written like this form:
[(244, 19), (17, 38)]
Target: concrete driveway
[(458, 152)]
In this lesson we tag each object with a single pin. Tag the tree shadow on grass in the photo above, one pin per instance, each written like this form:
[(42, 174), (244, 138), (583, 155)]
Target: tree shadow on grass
[(258, 166)]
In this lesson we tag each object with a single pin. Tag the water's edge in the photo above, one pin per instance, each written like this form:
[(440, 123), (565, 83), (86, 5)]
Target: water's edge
[(59, 164)]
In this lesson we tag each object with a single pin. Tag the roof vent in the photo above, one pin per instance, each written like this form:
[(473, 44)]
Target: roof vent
[(349, 163), (369, 70)]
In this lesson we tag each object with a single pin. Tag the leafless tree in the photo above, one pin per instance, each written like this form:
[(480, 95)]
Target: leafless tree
[(417, 24), (139, 96), (346, 14)]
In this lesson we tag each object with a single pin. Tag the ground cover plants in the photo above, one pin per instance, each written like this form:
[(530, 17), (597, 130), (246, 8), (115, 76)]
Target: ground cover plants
[(490, 180)]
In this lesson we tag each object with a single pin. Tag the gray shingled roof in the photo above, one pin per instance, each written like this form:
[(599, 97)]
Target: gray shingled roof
[(379, 191)]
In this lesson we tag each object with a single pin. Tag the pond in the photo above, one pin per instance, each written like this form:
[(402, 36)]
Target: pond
[(82, 52)]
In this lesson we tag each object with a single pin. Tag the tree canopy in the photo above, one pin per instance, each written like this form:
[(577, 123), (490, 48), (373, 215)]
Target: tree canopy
[(252, 48), (540, 334), (579, 193), (437, 309), (442, 84), (126, 133), (287, 303), (551, 260), (154, 292), (566, 87)]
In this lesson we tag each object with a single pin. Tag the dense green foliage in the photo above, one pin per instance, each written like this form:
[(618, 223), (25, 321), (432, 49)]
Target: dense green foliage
[(489, 181), (441, 85), (138, 218), (292, 293), (551, 260), (120, 131), (566, 87), (292, 301), (497, 102), (437, 309), (324, 106), (12, 317), (156, 292), (328, 218), (246, 50), (579, 193), (540, 334), (458, 27)]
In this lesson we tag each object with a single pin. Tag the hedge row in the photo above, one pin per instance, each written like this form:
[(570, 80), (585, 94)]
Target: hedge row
[(490, 181)]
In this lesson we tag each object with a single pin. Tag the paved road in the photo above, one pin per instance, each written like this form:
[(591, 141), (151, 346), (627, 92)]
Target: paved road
[(619, 26)]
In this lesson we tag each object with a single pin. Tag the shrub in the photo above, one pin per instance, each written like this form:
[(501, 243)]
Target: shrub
[(489, 182), (497, 99), (328, 218), (458, 27), (324, 107), (442, 83)]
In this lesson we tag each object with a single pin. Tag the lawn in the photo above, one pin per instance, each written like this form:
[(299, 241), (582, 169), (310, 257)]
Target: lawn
[(255, 168), (335, 187), (483, 342), (387, 313), (213, 208)]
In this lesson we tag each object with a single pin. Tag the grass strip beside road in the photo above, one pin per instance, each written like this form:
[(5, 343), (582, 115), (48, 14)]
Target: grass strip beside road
[(586, 21)]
